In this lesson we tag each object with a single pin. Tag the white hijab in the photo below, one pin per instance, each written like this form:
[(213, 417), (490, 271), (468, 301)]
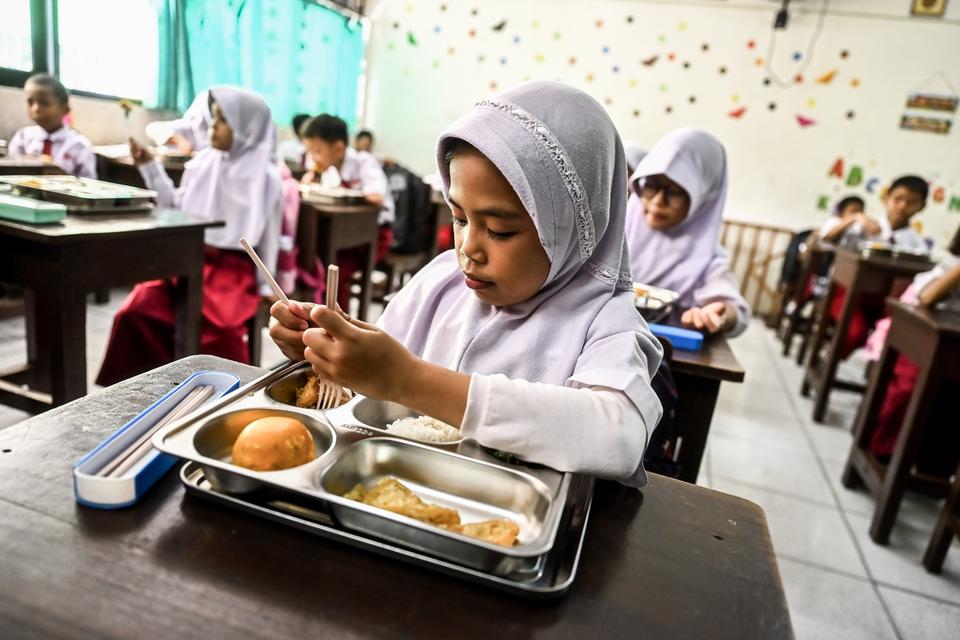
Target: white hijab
[(242, 186), (680, 257), (562, 155)]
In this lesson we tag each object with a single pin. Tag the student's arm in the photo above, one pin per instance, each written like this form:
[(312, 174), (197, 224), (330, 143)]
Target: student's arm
[(154, 175), (720, 307), (833, 232), (16, 147), (941, 287), (86, 162)]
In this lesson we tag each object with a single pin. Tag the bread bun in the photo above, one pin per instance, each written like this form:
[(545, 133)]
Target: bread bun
[(273, 443)]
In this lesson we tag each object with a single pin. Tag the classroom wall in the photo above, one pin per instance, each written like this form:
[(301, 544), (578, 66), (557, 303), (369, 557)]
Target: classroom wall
[(100, 120), (659, 65)]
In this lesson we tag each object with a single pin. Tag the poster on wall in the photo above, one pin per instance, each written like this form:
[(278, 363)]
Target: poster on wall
[(932, 102), (924, 123), (928, 8)]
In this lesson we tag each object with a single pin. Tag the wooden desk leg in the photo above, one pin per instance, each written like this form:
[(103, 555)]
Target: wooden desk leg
[(944, 531), (366, 284), (825, 382), (187, 302), (60, 324), (867, 415), (911, 435), (697, 400), (823, 321)]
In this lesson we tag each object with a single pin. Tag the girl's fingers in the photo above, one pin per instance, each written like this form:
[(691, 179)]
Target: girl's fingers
[(286, 317), (714, 322)]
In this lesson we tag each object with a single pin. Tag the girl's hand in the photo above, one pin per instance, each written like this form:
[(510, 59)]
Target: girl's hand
[(871, 226), (287, 325), (709, 317), (308, 177), (359, 356), (139, 153)]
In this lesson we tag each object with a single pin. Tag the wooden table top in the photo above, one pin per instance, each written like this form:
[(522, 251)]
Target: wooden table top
[(80, 227), (940, 320), (716, 360), (672, 560), (886, 263), (329, 208)]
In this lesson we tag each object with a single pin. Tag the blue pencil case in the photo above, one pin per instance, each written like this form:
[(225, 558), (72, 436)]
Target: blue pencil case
[(114, 493), (684, 339)]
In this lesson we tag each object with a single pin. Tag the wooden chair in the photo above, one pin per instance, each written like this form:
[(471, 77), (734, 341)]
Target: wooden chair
[(948, 526)]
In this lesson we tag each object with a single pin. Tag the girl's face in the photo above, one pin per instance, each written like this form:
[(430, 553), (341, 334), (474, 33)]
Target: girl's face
[(665, 203), (221, 135), (498, 248)]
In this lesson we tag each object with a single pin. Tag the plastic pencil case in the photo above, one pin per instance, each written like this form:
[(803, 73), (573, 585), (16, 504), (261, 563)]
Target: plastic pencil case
[(684, 339), (114, 493)]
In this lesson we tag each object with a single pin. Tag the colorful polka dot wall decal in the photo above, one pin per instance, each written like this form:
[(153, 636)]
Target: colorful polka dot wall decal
[(605, 50), (633, 83), (705, 46), (735, 98), (692, 99), (682, 26), (629, 19), (443, 7), (503, 60), (608, 101), (722, 71), (412, 39), (535, 24), (473, 12), (772, 106), (663, 88), (516, 39), (572, 60), (451, 51), (589, 77), (410, 8), (436, 64), (437, 29), (668, 109), (481, 57), (391, 46), (811, 103), (758, 62), (798, 79), (686, 64), (855, 82), (557, 35), (851, 115), (396, 25), (797, 56), (599, 24), (539, 57), (661, 38), (636, 113), (751, 44), (766, 82), (671, 57), (615, 69), (844, 54), (493, 85), (472, 33)]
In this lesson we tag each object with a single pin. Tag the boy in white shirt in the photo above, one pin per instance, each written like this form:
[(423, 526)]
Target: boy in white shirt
[(48, 103), (336, 164), (906, 197)]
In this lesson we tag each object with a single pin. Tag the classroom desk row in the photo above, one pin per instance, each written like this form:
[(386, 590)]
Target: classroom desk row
[(669, 561)]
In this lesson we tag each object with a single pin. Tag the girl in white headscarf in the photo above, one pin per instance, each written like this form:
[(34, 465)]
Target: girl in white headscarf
[(524, 336), (673, 228), (235, 180)]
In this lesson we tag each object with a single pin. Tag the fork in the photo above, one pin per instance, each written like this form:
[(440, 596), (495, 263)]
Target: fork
[(328, 395)]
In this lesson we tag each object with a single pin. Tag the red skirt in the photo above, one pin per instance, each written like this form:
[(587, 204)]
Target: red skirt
[(868, 311), (143, 329)]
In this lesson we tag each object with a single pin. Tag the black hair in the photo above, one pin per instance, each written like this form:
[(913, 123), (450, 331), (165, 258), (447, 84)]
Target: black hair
[(328, 128), (954, 246), (364, 133), (297, 122), (51, 84), (916, 184), (846, 202)]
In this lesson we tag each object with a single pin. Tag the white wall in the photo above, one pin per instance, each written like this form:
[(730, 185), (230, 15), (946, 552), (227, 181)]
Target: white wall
[(778, 168)]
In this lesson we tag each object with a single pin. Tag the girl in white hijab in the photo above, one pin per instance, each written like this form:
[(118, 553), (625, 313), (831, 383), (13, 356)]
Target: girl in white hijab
[(524, 336), (235, 180), (673, 227)]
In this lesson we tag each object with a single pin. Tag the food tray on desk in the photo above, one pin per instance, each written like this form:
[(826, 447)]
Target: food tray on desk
[(82, 195), (353, 448)]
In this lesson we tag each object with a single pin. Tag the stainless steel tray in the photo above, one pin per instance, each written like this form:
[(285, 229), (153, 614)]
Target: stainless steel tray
[(457, 475), (82, 195), (555, 571), (883, 250)]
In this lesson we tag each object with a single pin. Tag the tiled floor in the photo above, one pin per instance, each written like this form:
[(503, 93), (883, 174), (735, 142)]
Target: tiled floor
[(764, 447)]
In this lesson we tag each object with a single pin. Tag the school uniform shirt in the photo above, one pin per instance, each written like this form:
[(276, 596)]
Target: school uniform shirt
[(69, 150), (292, 151), (360, 170), (905, 238), (923, 280)]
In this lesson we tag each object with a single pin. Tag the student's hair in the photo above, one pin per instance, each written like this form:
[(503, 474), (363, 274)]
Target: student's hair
[(846, 202), (328, 128), (456, 146), (954, 246), (297, 122), (51, 84), (915, 184), (364, 133)]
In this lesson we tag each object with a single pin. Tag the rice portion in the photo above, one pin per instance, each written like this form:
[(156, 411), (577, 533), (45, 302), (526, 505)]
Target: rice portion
[(424, 428)]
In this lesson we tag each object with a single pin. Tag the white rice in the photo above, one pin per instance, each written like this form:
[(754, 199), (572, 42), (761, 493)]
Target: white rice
[(424, 428)]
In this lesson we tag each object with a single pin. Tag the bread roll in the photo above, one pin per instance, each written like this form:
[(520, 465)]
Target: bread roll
[(274, 443)]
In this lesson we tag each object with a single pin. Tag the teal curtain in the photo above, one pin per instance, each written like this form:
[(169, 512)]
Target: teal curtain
[(300, 56)]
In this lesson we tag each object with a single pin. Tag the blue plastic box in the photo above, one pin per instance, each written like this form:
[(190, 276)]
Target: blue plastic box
[(684, 339)]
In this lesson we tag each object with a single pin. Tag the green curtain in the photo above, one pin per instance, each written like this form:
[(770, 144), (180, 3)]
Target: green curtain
[(300, 56)]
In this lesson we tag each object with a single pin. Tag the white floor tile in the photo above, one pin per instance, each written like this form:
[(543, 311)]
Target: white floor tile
[(824, 604), (919, 618)]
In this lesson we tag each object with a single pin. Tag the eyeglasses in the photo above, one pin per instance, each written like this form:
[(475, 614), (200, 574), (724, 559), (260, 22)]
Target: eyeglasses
[(675, 197)]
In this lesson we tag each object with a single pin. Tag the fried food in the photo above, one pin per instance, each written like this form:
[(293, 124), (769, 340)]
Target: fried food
[(308, 394), (393, 496), (272, 444)]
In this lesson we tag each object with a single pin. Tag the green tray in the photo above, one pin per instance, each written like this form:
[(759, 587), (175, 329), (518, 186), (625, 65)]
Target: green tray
[(30, 210)]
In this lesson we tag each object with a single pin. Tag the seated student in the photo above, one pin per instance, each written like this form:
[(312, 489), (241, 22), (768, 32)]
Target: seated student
[(846, 213), (336, 164), (634, 154), (673, 228), (188, 133), (292, 151), (48, 103), (525, 336), (363, 141), (906, 197), (237, 180), (938, 287)]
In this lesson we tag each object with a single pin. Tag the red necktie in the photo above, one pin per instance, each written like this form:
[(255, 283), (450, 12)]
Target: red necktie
[(48, 147)]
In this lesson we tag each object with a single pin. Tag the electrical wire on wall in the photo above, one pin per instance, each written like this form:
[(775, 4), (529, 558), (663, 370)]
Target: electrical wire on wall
[(781, 23)]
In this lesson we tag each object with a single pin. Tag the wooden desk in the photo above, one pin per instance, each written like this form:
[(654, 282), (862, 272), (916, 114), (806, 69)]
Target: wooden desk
[(859, 276), (698, 375), (931, 340), (59, 264), (28, 167), (122, 170), (672, 561), (325, 229)]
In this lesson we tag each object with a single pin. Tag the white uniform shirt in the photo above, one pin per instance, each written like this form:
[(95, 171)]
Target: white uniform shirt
[(70, 151), (905, 238), (360, 170)]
